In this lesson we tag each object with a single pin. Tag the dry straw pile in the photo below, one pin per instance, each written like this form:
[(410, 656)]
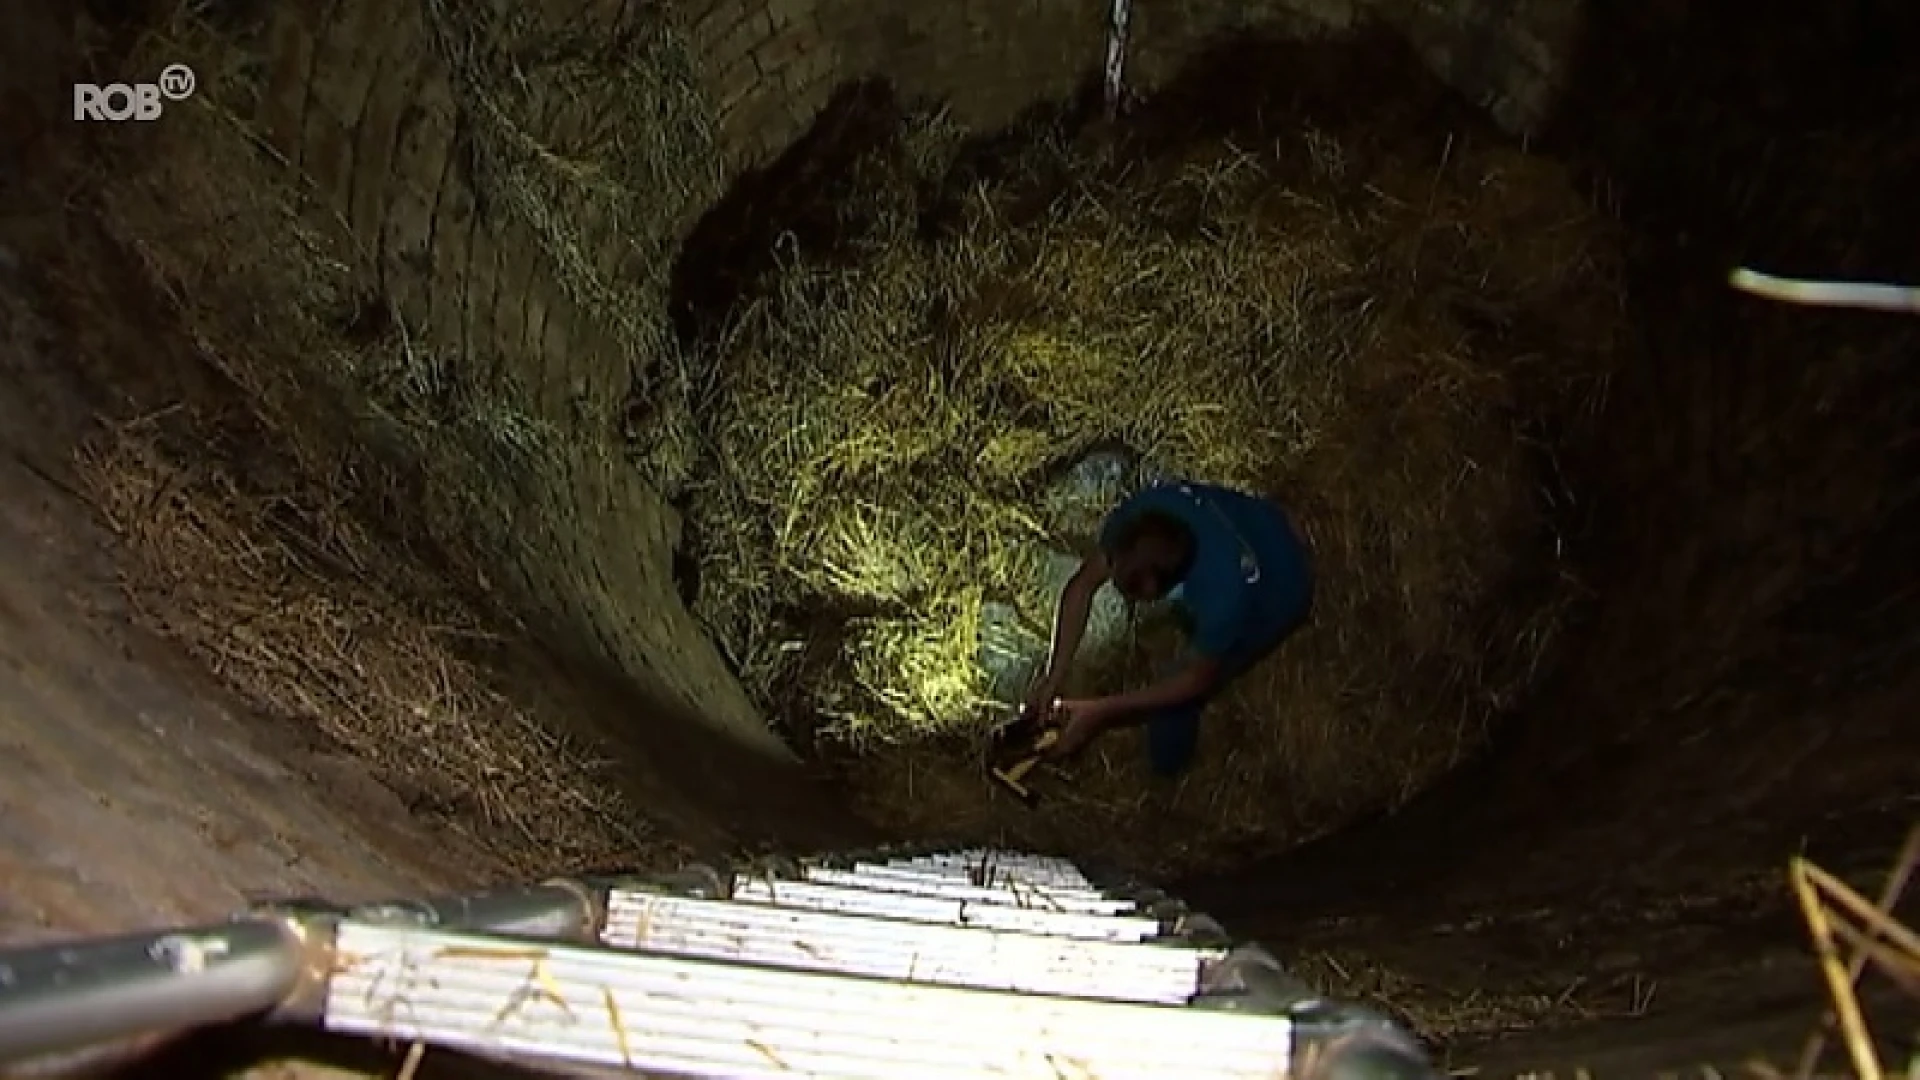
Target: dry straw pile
[(1853, 937), (1363, 329), (293, 604)]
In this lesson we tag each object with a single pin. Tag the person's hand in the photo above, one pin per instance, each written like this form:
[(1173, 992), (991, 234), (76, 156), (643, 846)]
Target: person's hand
[(1040, 701), (1079, 722)]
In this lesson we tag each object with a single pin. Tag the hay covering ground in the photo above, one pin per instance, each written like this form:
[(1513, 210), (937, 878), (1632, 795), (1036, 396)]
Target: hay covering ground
[(1363, 325), (290, 601)]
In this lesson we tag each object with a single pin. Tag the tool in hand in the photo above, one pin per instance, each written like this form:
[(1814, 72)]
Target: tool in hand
[(1012, 776)]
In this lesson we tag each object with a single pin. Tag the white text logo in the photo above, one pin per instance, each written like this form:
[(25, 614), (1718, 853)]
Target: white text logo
[(132, 101)]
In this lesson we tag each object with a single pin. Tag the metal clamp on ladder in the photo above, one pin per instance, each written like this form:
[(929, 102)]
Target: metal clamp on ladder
[(954, 964)]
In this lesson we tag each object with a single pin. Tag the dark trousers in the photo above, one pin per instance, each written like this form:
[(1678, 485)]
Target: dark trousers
[(1173, 733)]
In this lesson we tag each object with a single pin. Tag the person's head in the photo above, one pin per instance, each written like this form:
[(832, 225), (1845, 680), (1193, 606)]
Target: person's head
[(1150, 556)]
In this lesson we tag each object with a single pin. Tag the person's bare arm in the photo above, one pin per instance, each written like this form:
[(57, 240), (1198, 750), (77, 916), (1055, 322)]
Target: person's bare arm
[(1085, 721), (1198, 678), (1070, 617)]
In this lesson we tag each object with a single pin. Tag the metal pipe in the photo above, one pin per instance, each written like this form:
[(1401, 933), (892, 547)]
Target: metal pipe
[(556, 910), (697, 880), (1119, 14), (1333, 1040), (62, 998), (1362, 1056), (1249, 979), (1342, 1041), (1200, 931)]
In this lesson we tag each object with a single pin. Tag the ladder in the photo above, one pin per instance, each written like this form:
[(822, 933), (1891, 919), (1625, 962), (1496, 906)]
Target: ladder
[(955, 963)]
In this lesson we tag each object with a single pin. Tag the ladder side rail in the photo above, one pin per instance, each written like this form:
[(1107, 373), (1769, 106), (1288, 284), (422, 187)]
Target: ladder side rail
[(73, 1005), (1332, 1038), (79, 1005)]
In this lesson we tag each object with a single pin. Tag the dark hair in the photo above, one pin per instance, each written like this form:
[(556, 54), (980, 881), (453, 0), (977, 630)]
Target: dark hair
[(1148, 524)]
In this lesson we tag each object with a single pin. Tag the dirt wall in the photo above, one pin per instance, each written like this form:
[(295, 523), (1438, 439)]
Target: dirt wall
[(133, 789), (771, 64)]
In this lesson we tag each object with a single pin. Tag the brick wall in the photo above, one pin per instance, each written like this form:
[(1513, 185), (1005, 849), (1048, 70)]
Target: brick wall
[(357, 100)]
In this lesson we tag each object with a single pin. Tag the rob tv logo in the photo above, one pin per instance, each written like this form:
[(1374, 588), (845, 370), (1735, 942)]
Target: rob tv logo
[(119, 102)]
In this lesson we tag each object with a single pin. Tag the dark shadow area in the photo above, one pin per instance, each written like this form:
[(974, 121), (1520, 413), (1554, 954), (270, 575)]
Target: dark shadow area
[(788, 205), (1240, 86), (1750, 487), (1742, 687), (234, 1050), (814, 197), (727, 800)]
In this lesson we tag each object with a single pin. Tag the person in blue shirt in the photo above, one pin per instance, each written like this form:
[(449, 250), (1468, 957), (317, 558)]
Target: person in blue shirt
[(1238, 573)]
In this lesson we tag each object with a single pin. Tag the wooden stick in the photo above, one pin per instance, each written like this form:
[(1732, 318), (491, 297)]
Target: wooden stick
[(1890, 892), (1846, 1006), (1896, 964), (1856, 905)]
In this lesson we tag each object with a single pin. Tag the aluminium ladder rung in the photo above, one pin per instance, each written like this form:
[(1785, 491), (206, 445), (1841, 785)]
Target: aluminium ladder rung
[(992, 876), (1016, 883), (1002, 861), (698, 1018), (914, 952), (1005, 858), (993, 872), (848, 901), (1006, 895), (1009, 856)]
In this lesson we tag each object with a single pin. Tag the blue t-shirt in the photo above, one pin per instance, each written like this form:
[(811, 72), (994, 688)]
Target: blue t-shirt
[(1250, 582)]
